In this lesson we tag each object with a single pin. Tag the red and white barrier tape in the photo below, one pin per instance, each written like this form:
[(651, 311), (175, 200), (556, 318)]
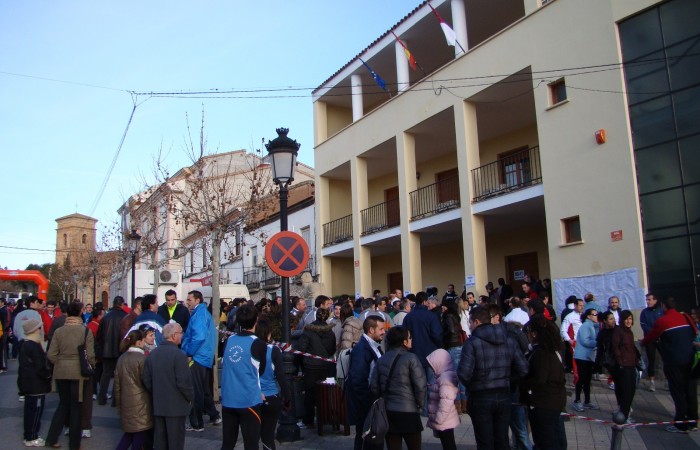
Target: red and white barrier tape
[(627, 425), (287, 347)]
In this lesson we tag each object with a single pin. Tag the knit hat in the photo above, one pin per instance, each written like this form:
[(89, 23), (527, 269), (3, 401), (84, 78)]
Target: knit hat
[(30, 326)]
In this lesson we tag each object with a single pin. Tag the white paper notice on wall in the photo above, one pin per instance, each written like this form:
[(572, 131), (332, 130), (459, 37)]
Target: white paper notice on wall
[(622, 283), (470, 280), (518, 275)]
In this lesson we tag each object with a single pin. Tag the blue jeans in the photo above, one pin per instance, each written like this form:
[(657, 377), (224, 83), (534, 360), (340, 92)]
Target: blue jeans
[(490, 414), (518, 424), (456, 354)]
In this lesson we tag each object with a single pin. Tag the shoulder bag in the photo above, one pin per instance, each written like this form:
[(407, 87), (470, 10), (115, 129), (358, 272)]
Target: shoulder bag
[(86, 368), (376, 424)]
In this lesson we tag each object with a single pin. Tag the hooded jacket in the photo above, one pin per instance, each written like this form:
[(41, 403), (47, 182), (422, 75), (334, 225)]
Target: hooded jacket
[(317, 339), (352, 332), (132, 398), (490, 360), (442, 414)]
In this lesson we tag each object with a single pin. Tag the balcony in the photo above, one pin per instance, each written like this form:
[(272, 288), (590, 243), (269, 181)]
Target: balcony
[(510, 173), (310, 267), (435, 198), (337, 231), (380, 217), (251, 279), (270, 278)]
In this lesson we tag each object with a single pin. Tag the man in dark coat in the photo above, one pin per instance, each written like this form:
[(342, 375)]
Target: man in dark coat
[(362, 357), (167, 377), (108, 338), (426, 330), (174, 310)]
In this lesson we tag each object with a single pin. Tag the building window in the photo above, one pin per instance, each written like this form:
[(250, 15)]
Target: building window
[(84, 239), (306, 235), (254, 255), (65, 240), (557, 91), (571, 228)]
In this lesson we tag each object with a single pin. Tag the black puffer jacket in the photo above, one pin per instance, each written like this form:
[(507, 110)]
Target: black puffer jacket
[(317, 339), (34, 375), (408, 383)]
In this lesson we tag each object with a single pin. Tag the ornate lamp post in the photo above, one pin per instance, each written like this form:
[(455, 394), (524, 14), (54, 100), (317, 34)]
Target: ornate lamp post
[(93, 261), (133, 243), (282, 152), (75, 282)]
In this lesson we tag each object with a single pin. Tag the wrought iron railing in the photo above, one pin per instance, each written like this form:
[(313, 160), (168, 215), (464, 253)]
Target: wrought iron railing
[(337, 231), (270, 278), (435, 198), (510, 173), (380, 217), (251, 279), (310, 267)]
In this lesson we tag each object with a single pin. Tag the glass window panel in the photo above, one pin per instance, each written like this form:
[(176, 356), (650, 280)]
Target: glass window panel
[(684, 63), (690, 159), (687, 106), (641, 35), (679, 20), (663, 214), (692, 202), (646, 77), (652, 122), (658, 168), (668, 261)]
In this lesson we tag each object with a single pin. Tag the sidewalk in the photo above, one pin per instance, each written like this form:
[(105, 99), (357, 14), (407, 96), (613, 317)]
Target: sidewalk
[(581, 434)]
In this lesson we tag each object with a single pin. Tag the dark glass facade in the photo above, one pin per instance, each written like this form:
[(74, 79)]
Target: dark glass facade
[(661, 55)]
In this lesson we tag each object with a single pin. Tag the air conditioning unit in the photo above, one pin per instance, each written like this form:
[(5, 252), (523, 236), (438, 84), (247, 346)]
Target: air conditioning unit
[(165, 276)]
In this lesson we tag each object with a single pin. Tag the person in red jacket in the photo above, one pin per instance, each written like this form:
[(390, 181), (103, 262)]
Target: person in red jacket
[(48, 315), (675, 333)]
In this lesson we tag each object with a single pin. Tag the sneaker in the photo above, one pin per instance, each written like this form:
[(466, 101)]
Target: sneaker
[(577, 406), (94, 396), (38, 442), (66, 431), (652, 386), (21, 398), (674, 429), (693, 428), (611, 386), (3, 371), (188, 427), (591, 406), (109, 396), (596, 377), (87, 434), (216, 421), (301, 425), (198, 429)]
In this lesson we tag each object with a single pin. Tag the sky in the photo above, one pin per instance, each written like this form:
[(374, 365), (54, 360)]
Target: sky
[(68, 70)]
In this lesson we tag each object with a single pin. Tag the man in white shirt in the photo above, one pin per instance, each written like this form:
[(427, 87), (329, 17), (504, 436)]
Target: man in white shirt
[(573, 321)]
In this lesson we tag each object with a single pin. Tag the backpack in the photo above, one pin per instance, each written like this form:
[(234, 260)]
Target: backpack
[(342, 366), (376, 424)]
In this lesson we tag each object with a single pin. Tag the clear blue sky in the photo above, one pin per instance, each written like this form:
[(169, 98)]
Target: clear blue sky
[(57, 140)]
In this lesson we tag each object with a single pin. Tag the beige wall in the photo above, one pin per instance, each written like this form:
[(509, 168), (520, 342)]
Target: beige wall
[(381, 266), (489, 150), (338, 118), (342, 276), (339, 200), (428, 169), (525, 240), (376, 188), (442, 265)]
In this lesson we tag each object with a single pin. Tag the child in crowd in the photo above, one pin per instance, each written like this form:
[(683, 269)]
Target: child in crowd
[(442, 414), (33, 381)]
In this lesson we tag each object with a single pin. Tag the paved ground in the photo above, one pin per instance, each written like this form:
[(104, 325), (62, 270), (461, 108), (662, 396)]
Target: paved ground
[(581, 434)]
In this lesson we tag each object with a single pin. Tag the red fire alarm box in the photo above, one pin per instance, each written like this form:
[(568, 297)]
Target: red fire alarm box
[(600, 136), (616, 235)]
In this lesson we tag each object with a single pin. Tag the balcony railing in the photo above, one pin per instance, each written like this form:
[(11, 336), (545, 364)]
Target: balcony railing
[(310, 267), (251, 279), (337, 231), (511, 173), (435, 198), (270, 278), (380, 217)]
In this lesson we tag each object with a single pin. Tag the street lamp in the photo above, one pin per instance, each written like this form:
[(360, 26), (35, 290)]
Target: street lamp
[(133, 243), (283, 155)]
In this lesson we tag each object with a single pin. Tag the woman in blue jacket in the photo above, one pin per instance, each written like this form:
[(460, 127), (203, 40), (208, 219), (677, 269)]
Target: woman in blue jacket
[(584, 354)]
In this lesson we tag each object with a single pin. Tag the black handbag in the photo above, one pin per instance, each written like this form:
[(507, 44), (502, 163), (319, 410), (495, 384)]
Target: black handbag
[(376, 424), (86, 368)]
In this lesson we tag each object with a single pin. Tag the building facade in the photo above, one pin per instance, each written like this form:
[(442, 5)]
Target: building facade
[(515, 151)]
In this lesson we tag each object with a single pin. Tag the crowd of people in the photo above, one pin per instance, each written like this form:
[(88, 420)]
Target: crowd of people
[(500, 358)]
